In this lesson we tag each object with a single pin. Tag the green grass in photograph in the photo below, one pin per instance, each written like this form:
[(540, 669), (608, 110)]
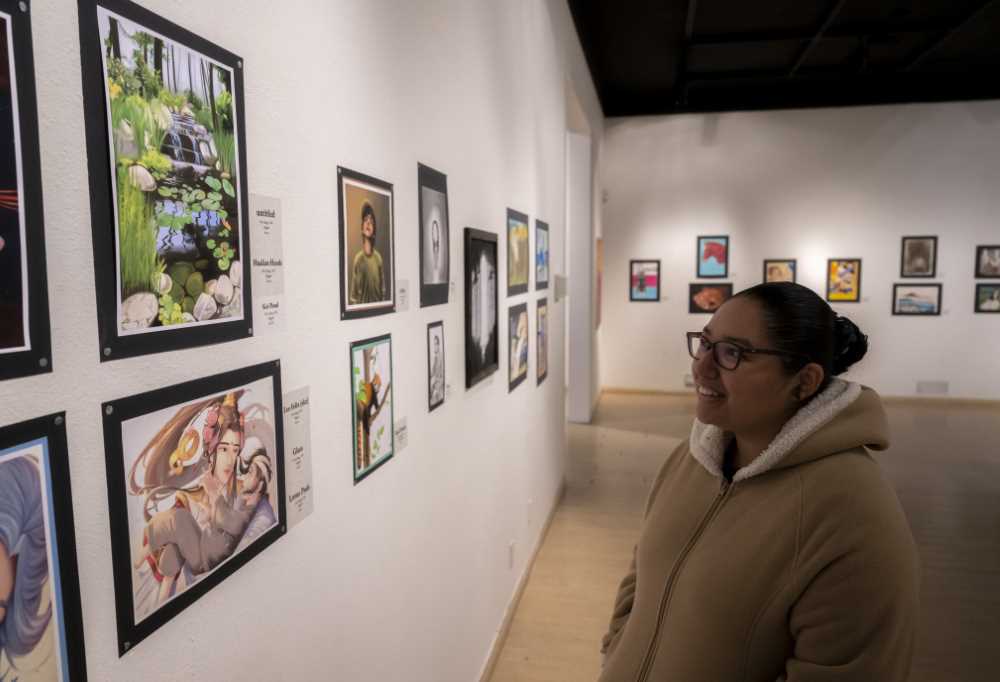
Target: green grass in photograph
[(136, 238), (225, 144)]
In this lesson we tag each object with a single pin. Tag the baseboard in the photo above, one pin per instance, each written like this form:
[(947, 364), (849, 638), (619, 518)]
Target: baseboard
[(621, 390), (508, 616)]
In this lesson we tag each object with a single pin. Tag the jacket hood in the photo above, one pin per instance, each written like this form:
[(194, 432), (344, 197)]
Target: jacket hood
[(843, 417)]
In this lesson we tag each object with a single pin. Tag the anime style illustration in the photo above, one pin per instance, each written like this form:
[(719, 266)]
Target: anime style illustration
[(780, 270), (517, 326), (435, 364), (644, 280), (366, 245), (40, 623), (542, 348), (372, 414), (706, 298), (843, 280), (518, 260), (713, 256), (201, 490), (541, 255), (481, 315)]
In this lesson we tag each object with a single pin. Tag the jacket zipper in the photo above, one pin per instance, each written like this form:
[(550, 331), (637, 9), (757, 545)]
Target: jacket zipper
[(647, 663)]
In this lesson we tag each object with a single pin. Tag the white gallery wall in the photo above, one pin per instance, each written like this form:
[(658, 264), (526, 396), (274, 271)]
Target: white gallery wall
[(407, 575), (806, 184)]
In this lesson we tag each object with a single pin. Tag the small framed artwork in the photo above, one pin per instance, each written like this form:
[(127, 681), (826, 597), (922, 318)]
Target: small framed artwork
[(987, 262), (713, 257), (435, 365), (517, 336), (25, 345), (166, 148), (916, 299), (42, 624), (196, 489), (706, 298), (781, 270), (988, 298), (542, 344), (371, 404), (918, 257), (644, 280), (518, 260), (435, 236), (482, 356), (843, 280), (541, 255), (367, 253)]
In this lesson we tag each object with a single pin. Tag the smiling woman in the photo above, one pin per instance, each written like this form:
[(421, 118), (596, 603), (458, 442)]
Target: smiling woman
[(779, 450)]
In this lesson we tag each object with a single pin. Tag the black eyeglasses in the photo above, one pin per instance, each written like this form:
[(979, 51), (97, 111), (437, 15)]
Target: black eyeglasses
[(727, 354)]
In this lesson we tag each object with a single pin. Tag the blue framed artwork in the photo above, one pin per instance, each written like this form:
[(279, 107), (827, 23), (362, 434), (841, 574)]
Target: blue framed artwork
[(713, 256)]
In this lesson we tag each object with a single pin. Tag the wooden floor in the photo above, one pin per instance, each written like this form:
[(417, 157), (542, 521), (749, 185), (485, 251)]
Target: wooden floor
[(944, 463)]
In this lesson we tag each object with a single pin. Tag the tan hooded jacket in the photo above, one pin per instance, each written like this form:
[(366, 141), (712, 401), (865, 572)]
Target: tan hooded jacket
[(802, 569)]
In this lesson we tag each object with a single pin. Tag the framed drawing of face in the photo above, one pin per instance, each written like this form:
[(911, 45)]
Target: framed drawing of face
[(780, 270), (481, 313), (435, 236)]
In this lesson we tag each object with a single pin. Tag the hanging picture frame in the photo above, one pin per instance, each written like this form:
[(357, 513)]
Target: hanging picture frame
[(542, 341), (916, 299), (435, 236), (37, 542), (713, 257), (987, 298), (168, 182), (988, 262), (482, 356), (843, 280), (367, 245), (517, 345), (371, 405), (918, 257), (518, 258), (707, 298), (541, 255), (644, 281), (210, 449), (25, 342), (435, 365), (780, 270)]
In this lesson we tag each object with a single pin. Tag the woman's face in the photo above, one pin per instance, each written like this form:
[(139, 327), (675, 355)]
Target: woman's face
[(226, 454), (758, 395), (6, 579)]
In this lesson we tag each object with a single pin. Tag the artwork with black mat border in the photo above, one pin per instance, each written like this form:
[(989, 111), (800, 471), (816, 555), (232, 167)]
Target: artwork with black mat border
[(436, 368), (987, 297), (518, 253), (542, 340), (366, 204), (918, 257), (518, 345), (34, 470), (988, 262), (435, 236), (372, 405), (25, 343), (163, 452), (186, 282), (916, 299), (482, 322)]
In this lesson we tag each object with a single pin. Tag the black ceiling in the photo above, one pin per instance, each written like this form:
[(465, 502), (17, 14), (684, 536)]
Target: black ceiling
[(673, 56)]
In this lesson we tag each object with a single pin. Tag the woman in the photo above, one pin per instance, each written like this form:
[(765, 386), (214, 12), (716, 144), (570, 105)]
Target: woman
[(772, 547)]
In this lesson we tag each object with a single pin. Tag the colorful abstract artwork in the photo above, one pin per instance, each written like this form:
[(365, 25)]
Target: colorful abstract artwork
[(713, 256), (518, 253), (843, 280), (644, 280)]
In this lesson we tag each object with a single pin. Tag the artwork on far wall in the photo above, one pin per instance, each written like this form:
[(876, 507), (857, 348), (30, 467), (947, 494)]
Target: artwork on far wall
[(435, 236), (435, 365), (987, 262), (371, 404), (916, 299), (541, 255), (542, 344), (196, 489), (988, 298), (41, 625), (644, 280), (713, 256), (25, 346), (481, 313), (781, 270), (706, 298), (168, 190), (919, 257), (367, 245), (518, 258), (517, 346), (843, 280)]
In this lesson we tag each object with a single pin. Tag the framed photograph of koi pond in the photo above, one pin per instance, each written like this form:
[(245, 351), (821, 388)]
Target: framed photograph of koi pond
[(25, 346), (196, 489), (166, 146), (42, 623)]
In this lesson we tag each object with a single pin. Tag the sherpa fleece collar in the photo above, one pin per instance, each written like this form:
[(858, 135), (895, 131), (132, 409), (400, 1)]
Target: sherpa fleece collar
[(708, 443)]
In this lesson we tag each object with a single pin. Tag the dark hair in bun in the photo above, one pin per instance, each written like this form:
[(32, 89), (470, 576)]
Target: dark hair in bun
[(800, 322)]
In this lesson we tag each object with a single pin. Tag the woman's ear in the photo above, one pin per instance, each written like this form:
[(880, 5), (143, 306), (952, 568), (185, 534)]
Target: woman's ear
[(810, 378)]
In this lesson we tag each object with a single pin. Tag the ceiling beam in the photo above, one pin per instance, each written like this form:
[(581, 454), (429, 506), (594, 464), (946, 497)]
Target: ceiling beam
[(831, 16), (948, 35), (680, 75), (849, 31)]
